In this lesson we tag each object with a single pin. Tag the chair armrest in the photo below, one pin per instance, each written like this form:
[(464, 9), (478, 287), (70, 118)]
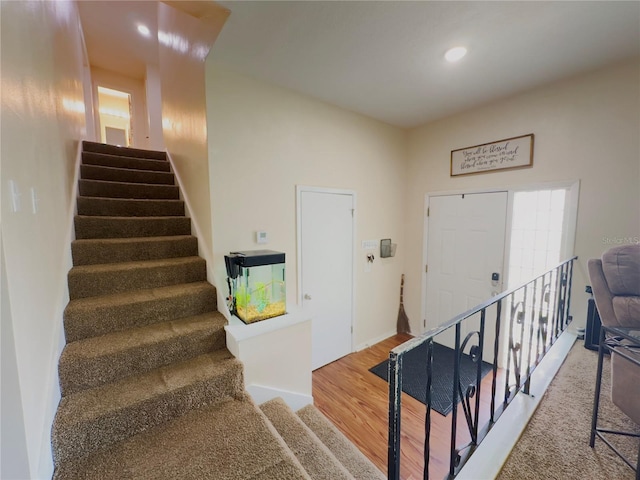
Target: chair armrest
[(601, 293)]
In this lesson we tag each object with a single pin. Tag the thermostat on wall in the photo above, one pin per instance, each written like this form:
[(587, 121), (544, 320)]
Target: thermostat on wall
[(261, 237)]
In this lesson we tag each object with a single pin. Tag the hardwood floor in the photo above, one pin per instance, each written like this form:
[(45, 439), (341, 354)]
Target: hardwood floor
[(356, 401)]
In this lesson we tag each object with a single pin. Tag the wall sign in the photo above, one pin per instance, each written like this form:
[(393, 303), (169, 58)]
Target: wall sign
[(516, 152)]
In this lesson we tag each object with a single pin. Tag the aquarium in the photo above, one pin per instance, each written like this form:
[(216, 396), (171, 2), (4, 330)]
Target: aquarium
[(257, 289)]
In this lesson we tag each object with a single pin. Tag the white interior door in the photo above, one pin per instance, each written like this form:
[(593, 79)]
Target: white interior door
[(465, 248), (326, 271)]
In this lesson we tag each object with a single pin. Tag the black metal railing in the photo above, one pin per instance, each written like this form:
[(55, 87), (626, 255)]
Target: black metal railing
[(535, 314)]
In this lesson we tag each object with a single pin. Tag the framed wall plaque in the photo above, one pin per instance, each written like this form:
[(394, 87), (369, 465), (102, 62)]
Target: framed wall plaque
[(515, 152)]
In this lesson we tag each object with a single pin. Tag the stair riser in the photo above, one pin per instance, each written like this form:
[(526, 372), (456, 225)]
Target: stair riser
[(77, 374), (110, 174), (108, 251), (96, 227), (105, 318), (100, 159), (129, 208), (96, 188), (78, 440), (122, 151), (89, 284)]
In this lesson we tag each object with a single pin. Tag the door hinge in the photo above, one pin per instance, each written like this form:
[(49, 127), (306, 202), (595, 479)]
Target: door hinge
[(428, 211), (424, 323), (426, 269), (351, 328), (353, 212)]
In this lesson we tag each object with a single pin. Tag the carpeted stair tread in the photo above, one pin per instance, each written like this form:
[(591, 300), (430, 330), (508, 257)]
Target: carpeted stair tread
[(94, 361), (346, 452), (126, 207), (149, 390), (93, 316), (314, 456), (89, 226), (104, 279), (107, 160), (103, 188), (115, 250), (96, 147), (230, 440), (114, 174), (98, 417)]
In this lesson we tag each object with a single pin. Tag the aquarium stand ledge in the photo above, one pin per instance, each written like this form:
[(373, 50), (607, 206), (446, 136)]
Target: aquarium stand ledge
[(276, 354), (239, 330)]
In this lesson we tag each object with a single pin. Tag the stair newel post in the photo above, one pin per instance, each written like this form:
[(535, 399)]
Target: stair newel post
[(395, 391)]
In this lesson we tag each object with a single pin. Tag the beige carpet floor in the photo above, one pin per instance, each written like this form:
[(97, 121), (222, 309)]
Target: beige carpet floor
[(555, 444)]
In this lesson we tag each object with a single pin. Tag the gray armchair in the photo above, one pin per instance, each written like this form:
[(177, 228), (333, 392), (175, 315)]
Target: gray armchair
[(615, 282)]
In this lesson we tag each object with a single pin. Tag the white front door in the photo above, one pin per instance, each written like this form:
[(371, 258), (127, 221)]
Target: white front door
[(465, 248), (326, 270)]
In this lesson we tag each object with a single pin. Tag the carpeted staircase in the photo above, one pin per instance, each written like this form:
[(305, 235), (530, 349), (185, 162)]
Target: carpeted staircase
[(149, 390)]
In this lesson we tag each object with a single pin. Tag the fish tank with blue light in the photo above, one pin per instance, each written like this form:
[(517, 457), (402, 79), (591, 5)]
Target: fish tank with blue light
[(257, 288)]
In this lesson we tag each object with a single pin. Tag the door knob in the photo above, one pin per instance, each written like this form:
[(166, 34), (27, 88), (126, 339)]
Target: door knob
[(307, 296)]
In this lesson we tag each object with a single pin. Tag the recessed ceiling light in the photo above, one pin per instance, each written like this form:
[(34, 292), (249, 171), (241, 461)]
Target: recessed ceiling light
[(455, 54), (144, 30)]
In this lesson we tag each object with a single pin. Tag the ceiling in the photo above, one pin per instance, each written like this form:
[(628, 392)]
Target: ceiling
[(385, 59), (111, 36)]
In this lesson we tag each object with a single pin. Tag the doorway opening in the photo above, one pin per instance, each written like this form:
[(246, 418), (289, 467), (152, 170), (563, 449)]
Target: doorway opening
[(115, 117), (539, 234), (465, 245), (326, 224)]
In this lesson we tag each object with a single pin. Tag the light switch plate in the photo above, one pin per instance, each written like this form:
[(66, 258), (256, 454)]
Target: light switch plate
[(369, 244), (261, 237)]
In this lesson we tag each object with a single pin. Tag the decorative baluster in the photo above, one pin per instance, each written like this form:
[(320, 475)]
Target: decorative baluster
[(531, 330), (563, 316), (496, 350), (515, 348), (569, 293), (395, 391), (520, 318), (510, 351), (478, 360), (427, 420), (454, 456), (556, 306), (543, 320)]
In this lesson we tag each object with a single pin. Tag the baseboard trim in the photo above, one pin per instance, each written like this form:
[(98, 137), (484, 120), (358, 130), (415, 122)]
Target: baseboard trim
[(375, 340), (261, 394), (488, 459)]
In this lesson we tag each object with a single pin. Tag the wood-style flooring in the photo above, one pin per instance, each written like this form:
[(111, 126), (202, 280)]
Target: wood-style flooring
[(356, 401)]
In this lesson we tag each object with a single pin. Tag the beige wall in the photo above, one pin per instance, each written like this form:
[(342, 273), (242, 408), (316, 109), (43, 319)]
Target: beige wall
[(42, 122), (586, 128), (263, 141), (184, 114)]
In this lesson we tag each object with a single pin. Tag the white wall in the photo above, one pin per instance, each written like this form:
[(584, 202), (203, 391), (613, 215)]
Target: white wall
[(134, 87), (586, 128), (153, 93), (42, 122), (265, 140), (276, 356), (14, 461)]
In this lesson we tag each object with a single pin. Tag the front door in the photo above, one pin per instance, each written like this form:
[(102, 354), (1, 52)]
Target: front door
[(465, 252), (326, 270)]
